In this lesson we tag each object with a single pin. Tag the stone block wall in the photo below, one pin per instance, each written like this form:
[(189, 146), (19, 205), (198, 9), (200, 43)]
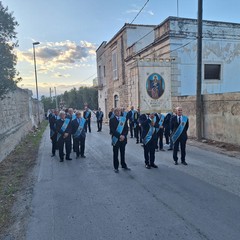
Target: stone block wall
[(221, 116), (18, 116)]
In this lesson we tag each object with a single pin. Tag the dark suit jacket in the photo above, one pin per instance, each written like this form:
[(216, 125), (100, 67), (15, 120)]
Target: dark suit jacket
[(136, 117), (130, 116), (52, 122), (110, 114), (59, 124), (174, 126), (145, 124), (158, 120), (113, 124), (75, 125), (84, 114), (98, 116)]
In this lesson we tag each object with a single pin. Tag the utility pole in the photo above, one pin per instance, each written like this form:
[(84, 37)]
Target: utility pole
[(199, 74), (50, 92), (177, 9)]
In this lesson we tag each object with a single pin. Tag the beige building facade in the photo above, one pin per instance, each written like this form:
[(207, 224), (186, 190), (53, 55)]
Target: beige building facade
[(147, 66)]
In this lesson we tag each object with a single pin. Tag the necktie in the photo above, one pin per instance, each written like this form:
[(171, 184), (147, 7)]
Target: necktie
[(179, 120)]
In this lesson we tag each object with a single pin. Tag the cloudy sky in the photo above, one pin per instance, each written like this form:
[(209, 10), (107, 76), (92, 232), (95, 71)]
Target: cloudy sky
[(70, 31)]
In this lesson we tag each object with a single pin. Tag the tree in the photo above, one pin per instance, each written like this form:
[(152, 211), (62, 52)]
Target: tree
[(8, 59), (48, 103)]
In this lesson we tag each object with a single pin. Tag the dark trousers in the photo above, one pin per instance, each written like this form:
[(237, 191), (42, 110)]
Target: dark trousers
[(182, 143), (149, 152), (79, 144), (137, 133), (61, 142), (54, 143), (167, 135), (99, 125), (131, 125), (159, 139), (88, 125), (119, 146)]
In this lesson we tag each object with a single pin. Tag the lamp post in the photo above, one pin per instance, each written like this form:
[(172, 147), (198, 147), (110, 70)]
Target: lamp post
[(35, 68)]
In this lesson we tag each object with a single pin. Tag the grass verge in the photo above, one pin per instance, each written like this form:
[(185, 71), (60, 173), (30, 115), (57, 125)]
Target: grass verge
[(13, 172)]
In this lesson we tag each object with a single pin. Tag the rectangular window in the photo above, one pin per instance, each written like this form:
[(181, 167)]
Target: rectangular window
[(114, 65), (212, 71), (104, 71)]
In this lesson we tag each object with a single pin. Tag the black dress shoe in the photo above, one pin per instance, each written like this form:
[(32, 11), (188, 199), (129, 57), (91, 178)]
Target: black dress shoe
[(77, 157), (83, 156), (154, 165), (162, 149), (176, 163), (69, 159), (184, 163), (170, 149), (147, 166), (53, 155), (61, 160), (116, 170), (126, 168)]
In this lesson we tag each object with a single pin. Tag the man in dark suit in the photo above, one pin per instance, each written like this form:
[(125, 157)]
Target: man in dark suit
[(99, 116), (53, 134), (160, 130), (119, 130), (63, 129), (149, 138), (131, 120), (79, 134), (137, 128), (87, 116), (179, 127), (111, 113)]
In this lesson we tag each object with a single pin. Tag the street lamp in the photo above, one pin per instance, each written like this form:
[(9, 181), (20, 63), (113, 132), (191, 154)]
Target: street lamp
[(35, 68)]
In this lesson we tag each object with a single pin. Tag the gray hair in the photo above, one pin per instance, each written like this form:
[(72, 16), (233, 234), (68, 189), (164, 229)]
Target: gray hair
[(62, 113)]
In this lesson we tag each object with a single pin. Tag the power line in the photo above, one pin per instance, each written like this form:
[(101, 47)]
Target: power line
[(140, 11), (90, 77)]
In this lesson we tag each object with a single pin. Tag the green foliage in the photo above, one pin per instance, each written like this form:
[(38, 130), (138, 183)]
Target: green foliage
[(48, 103), (74, 98), (8, 59)]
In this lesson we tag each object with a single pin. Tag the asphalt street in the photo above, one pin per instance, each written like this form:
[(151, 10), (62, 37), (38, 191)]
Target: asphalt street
[(84, 199)]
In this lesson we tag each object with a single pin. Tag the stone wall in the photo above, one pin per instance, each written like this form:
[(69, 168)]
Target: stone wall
[(18, 116), (221, 116)]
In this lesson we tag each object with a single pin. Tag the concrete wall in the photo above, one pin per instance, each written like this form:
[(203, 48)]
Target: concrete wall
[(18, 116), (221, 118)]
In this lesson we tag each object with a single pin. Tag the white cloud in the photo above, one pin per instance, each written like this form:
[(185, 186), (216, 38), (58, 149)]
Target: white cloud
[(59, 55)]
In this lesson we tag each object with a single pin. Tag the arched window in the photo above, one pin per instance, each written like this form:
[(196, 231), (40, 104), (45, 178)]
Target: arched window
[(116, 101)]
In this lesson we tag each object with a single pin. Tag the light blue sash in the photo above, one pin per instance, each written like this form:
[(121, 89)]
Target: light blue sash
[(80, 128), (149, 135), (100, 116), (74, 116), (64, 127), (112, 115), (132, 117), (160, 122), (87, 114), (120, 127), (180, 128), (52, 131), (124, 114)]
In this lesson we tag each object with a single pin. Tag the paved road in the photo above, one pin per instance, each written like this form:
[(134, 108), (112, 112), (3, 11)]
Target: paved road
[(84, 199)]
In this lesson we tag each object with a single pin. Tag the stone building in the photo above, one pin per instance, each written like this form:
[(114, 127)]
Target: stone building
[(113, 82), (147, 66)]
